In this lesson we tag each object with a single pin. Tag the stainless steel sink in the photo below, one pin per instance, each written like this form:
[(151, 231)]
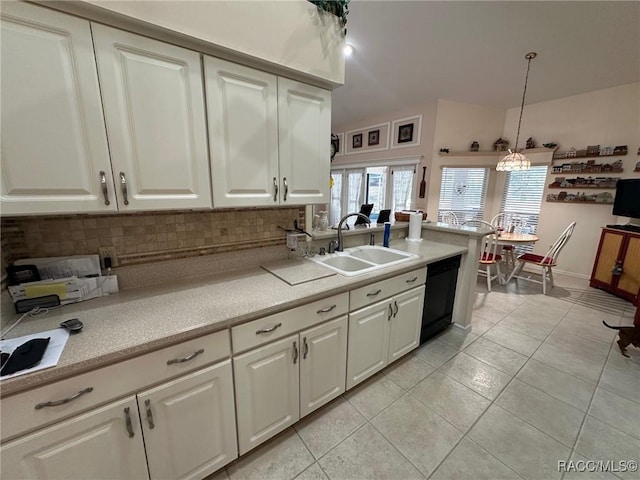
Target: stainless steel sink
[(360, 260)]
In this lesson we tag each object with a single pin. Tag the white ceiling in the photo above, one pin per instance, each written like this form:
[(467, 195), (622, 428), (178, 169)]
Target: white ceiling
[(410, 53)]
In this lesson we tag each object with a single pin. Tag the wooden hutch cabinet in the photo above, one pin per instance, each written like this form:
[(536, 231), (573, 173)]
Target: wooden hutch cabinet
[(617, 265)]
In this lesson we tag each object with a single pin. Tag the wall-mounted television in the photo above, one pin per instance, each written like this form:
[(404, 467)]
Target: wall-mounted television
[(627, 202)]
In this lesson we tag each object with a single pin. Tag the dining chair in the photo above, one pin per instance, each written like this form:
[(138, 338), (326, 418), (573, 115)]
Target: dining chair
[(450, 217), (546, 262), (501, 222), (488, 252)]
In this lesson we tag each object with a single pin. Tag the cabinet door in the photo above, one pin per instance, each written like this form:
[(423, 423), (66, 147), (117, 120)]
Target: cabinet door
[(243, 134), (323, 364), (304, 122), (368, 343), (266, 391), (97, 444), (154, 110), (189, 424), (54, 145), (608, 253), (629, 281), (406, 323)]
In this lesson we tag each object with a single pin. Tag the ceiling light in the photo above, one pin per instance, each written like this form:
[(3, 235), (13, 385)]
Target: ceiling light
[(516, 160), (348, 50)]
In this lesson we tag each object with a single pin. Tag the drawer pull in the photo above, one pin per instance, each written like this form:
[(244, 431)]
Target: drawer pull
[(373, 294), (390, 313), (185, 359), (57, 403), (147, 404), (306, 348), (268, 329), (275, 189), (395, 304), (123, 187), (295, 353), (286, 188), (326, 310), (127, 417), (411, 280)]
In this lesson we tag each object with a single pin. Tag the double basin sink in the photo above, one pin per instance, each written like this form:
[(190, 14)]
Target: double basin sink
[(365, 259)]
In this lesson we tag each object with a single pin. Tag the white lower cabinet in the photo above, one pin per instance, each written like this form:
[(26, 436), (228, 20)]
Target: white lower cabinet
[(278, 383), (383, 332), (188, 424), (187, 431), (103, 443)]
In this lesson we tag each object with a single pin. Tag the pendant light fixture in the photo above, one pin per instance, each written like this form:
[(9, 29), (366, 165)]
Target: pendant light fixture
[(516, 160)]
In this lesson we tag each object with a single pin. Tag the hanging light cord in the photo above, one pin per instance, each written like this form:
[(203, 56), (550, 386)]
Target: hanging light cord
[(529, 56)]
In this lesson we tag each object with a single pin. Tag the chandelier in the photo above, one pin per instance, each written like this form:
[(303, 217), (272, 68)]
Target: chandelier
[(515, 160)]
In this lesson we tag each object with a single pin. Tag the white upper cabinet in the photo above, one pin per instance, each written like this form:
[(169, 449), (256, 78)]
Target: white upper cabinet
[(154, 110), (54, 146), (268, 137), (242, 105), (304, 119)]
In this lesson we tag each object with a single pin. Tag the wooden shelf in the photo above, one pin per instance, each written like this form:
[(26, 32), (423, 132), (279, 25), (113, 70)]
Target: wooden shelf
[(579, 202), (491, 153), (590, 156), (582, 187)]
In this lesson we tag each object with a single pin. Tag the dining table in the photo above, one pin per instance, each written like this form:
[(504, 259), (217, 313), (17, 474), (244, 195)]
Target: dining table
[(513, 239)]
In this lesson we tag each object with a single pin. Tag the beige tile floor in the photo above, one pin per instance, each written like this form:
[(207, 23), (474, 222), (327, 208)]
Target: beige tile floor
[(536, 380)]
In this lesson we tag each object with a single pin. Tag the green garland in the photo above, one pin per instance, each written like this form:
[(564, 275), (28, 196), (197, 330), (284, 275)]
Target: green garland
[(340, 8)]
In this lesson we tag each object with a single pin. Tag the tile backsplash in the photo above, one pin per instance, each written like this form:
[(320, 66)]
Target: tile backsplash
[(149, 236)]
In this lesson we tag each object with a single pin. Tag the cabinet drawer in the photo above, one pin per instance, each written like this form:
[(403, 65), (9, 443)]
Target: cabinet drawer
[(19, 413), (281, 324), (361, 297)]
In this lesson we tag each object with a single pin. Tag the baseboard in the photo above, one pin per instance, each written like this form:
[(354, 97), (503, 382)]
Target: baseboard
[(582, 276), (460, 327)]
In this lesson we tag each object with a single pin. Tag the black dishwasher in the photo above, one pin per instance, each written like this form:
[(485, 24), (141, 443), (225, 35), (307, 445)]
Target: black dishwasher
[(439, 296)]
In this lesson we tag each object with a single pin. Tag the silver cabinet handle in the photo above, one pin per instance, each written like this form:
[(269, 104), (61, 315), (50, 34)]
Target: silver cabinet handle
[(295, 353), (57, 403), (127, 417), (411, 280), (395, 304), (275, 189), (268, 329), (286, 188), (123, 186), (103, 185), (305, 348), (373, 294), (326, 310), (147, 404), (390, 313), (185, 359)]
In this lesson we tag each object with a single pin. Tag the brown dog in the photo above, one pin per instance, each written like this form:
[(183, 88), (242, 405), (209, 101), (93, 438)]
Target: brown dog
[(628, 335)]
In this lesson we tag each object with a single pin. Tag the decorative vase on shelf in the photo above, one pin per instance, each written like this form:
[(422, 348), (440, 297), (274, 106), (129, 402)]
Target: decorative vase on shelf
[(475, 146), (323, 221), (501, 145)]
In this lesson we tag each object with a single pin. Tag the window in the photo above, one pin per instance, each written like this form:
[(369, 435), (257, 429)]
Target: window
[(463, 191), (522, 198), (390, 186)]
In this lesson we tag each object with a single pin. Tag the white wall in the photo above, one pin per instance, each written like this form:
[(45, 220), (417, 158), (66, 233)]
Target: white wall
[(291, 34), (605, 117)]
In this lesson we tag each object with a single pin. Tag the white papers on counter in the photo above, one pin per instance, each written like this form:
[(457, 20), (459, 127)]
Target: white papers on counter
[(68, 290), (65, 267), (51, 357)]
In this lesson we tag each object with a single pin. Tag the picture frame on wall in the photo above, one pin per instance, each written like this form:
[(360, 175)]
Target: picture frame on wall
[(341, 145), (368, 139), (406, 132)]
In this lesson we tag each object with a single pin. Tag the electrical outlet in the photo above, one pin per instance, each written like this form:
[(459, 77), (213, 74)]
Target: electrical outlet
[(108, 252)]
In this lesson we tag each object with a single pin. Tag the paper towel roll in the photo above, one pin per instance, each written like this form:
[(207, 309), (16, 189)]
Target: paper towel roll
[(415, 227)]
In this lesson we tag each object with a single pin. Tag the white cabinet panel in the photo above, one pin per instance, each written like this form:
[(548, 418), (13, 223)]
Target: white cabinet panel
[(406, 323), (54, 144), (94, 445), (267, 391), (154, 109), (323, 364), (189, 427), (304, 116), (368, 342), (243, 134)]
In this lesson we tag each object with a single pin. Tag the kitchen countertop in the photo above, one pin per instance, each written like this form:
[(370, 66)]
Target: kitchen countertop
[(137, 321)]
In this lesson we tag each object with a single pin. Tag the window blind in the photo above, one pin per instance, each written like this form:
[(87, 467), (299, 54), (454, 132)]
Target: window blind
[(463, 191), (522, 197)]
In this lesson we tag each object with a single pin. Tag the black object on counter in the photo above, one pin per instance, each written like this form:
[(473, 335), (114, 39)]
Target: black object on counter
[(73, 325), (26, 356), (437, 314), (22, 274), (383, 216)]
